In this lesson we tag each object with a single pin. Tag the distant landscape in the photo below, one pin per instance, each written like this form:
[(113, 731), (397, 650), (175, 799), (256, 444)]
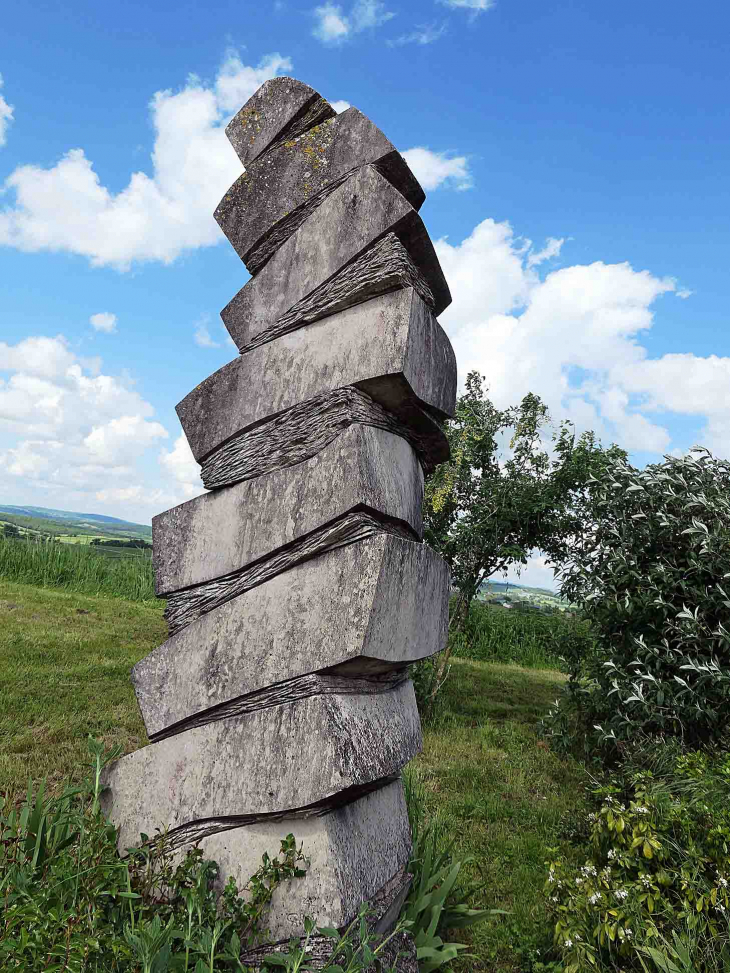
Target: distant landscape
[(509, 595), (111, 536)]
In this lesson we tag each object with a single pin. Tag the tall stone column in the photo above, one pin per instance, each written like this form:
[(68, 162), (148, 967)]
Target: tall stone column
[(298, 589)]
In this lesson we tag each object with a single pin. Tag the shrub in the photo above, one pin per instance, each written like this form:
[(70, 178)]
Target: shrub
[(651, 577), (657, 879)]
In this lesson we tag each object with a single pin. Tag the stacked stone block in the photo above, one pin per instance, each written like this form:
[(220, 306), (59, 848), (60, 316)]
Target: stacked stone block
[(299, 590)]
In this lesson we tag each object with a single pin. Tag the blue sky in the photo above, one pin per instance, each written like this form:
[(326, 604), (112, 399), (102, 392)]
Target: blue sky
[(575, 157)]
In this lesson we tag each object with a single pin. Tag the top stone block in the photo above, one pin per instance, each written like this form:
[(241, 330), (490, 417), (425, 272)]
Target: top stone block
[(281, 188), (282, 108)]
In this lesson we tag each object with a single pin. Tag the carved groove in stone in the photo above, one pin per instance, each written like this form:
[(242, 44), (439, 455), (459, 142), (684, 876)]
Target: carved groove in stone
[(387, 266), (183, 607), (197, 830), (303, 687), (281, 231), (301, 432)]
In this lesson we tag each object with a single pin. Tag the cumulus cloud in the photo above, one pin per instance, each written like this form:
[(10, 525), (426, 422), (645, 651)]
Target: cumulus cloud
[(684, 293), (340, 106), (6, 117), (574, 337), (424, 34), (75, 437), (104, 321), (156, 217), (435, 169), (335, 26), (180, 464)]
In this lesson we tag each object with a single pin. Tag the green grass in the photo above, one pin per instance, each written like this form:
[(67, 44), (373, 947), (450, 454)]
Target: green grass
[(64, 673), (503, 797), (76, 568), (528, 638)]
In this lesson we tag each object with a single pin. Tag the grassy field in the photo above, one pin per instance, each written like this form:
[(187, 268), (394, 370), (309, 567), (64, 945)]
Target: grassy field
[(76, 568), (497, 791), (528, 638), (64, 672), (503, 797)]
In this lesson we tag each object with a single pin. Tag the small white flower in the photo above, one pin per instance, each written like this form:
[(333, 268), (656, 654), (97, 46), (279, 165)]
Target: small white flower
[(591, 817), (642, 810), (577, 937), (554, 899), (568, 943), (551, 877), (595, 898), (611, 853), (628, 933), (723, 882), (621, 894), (579, 881)]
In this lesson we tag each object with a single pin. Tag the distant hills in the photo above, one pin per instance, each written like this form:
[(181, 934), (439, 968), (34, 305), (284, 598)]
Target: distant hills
[(70, 524), (510, 594)]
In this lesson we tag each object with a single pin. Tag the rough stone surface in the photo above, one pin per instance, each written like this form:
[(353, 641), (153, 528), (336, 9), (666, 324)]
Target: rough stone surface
[(351, 220), (281, 188), (392, 348), (365, 608), (268, 762), (281, 108), (219, 532), (185, 606), (302, 431), (352, 852)]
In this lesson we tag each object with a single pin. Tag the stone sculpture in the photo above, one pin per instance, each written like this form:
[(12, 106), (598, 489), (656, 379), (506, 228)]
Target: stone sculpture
[(299, 590)]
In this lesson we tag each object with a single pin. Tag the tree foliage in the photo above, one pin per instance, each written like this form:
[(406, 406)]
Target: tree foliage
[(488, 507), (653, 577)]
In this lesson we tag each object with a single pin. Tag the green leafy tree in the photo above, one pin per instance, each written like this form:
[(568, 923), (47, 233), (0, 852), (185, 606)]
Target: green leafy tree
[(652, 577), (488, 507)]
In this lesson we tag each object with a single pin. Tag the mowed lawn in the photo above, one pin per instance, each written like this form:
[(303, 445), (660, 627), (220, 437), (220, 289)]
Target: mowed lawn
[(504, 798), (64, 673), (498, 792)]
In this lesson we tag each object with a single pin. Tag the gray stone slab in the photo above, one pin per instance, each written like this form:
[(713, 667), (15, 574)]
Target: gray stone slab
[(298, 433), (358, 213), (282, 108), (220, 532), (353, 851), (288, 757), (391, 347), (282, 187), (365, 608)]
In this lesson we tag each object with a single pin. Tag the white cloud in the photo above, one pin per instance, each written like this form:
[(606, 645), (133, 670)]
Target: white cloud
[(335, 26), (340, 106), (551, 250), (574, 338), (476, 6), (180, 464), (424, 34), (74, 437), (434, 169), (684, 293), (202, 336), (6, 117), (369, 13), (104, 321), (158, 217)]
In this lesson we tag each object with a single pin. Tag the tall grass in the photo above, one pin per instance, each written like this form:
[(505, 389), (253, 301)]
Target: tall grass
[(76, 568), (530, 639)]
